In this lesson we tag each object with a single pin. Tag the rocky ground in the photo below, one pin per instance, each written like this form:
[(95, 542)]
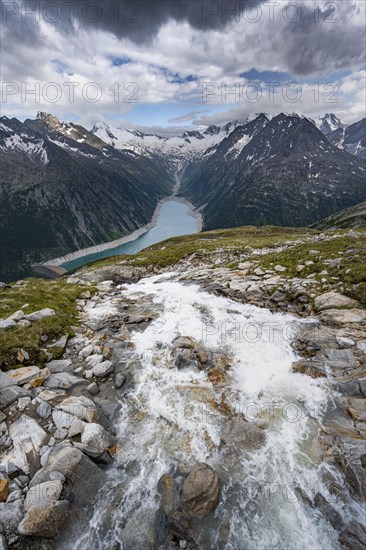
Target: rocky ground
[(57, 417)]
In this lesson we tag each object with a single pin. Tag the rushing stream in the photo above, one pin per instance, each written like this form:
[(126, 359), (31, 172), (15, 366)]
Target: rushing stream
[(167, 422)]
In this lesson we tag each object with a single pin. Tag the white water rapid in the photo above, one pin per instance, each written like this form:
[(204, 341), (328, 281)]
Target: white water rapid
[(169, 421)]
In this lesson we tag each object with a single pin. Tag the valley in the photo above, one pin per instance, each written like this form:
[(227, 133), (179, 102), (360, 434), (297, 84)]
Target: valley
[(284, 170)]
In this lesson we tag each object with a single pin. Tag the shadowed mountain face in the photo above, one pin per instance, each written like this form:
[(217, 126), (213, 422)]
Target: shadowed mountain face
[(62, 188), (355, 216), (351, 139), (287, 174)]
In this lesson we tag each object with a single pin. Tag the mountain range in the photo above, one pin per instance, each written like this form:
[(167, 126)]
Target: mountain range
[(63, 187)]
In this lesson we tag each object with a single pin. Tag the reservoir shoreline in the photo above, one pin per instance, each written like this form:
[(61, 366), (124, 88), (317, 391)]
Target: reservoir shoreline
[(53, 268)]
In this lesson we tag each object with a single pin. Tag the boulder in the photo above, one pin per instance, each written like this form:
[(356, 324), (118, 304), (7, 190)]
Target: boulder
[(6, 325), (242, 435), (328, 511), (101, 370), (353, 537), (343, 359), (28, 437), (348, 454), (10, 394), (355, 407), (119, 380), (83, 477), (169, 494), (17, 316), (184, 342), (33, 374), (66, 421), (343, 316), (62, 380), (314, 369), (45, 521), (5, 380), (81, 407), (42, 494), (334, 300), (95, 440), (59, 365), (41, 314), (201, 490)]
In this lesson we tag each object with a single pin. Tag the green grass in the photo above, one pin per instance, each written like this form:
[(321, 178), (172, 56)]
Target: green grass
[(350, 250), (38, 293), (239, 239)]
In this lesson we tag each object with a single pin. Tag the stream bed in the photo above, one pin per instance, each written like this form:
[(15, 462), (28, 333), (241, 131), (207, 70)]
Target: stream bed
[(173, 418)]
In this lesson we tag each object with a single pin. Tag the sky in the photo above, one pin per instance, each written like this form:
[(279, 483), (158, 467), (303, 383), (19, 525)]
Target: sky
[(169, 65)]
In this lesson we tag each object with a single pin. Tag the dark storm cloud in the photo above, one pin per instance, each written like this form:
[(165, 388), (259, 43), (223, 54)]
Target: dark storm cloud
[(327, 42), (138, 20)]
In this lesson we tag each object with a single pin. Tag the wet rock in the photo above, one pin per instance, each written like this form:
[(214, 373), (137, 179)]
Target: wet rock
[(355, 407), (45, 521), (334, 300), (352, 388), (184, 359), (242, 435), (348, 454), (83, 477), (184, 342), (169, 494), (201, 490), (339, 358), (178, 525), (119, 380), (160, 528), (315, 369), (353, 537), (328, 511), (41, 314)]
